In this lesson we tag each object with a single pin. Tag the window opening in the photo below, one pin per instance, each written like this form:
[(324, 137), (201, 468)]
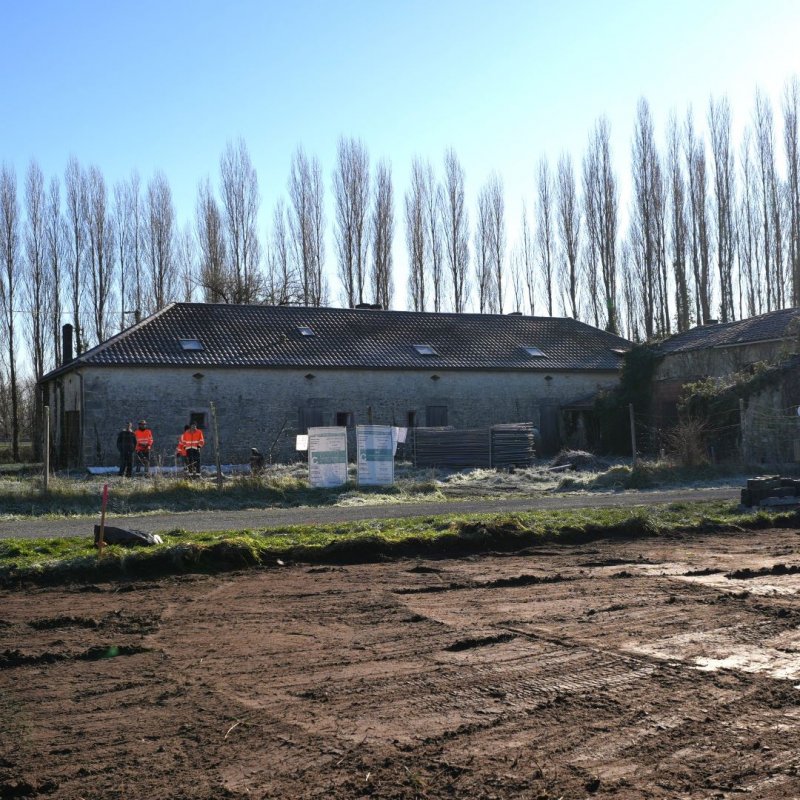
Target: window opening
[(425, 350), (198, 418), (535, 352), (191, 344)]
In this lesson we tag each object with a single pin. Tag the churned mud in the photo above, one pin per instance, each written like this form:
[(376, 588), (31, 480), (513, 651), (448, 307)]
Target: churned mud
[(661, 668)]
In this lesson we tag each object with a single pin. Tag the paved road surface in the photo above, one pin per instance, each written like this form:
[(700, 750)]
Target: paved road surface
[(278, 517)]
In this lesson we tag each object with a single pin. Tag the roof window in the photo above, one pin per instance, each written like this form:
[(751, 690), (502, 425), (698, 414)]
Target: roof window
[(191, 344), (534, 352), (304, 330), (425, 350)]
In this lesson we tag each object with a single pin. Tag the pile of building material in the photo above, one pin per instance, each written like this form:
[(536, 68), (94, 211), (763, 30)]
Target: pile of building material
[(513, 445), (771, 490), (510, 445)]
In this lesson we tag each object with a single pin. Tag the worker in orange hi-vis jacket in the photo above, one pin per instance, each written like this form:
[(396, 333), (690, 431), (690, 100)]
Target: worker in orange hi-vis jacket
[(180, 450), (193, 440), (144, 444)]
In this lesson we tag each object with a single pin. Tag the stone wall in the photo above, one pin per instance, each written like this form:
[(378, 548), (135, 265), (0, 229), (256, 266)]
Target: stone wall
[(268, 408)]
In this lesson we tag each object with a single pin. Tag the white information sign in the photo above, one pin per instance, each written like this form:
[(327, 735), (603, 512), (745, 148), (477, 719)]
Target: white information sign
[(375, 455), (327, 456)]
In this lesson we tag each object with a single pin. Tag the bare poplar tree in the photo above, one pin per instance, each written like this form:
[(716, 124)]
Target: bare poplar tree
[(121, 214), (456, 230), (351, 199), (698, 214), (283, 286), (213, 274), (631, 293), (306, 225), (749, 239), (434, 207), (186, 258), (241, 201), (382, 235), (37, 275), (527, 261), (160, 242), (497, 230), (645, 240), (678, 225), (100, 250), (416, 236), (569, 230), (545, 231), (55, 232), (517, 277), (719, 122), (9, 287), (600, 203), (75, 190), (136, 300), (791, 140), (484, 274)]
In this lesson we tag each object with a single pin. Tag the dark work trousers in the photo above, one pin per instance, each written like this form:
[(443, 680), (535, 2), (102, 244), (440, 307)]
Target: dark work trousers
[(126, 463), (193, 460), (143, 461)]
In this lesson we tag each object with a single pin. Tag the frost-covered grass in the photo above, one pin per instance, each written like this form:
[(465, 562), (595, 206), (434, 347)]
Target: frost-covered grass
[(286, 485)]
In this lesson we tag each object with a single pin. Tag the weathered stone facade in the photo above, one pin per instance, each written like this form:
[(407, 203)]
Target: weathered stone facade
[(267, 408)]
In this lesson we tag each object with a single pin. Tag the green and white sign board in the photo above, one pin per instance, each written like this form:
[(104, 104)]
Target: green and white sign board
[(375, 455), (327, 456)]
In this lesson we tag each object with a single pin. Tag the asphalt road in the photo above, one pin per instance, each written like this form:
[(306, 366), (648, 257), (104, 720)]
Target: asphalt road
[(279, 517)]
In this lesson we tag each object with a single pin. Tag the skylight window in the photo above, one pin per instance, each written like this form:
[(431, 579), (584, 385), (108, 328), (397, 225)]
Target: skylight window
[(191, 344), (425, 350), (304, 330), (534, 352)]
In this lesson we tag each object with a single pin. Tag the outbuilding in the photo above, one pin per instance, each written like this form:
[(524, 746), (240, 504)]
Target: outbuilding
[(271, 372)]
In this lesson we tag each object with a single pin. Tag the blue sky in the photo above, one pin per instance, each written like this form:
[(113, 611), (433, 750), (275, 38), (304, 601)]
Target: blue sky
[(164, 85)]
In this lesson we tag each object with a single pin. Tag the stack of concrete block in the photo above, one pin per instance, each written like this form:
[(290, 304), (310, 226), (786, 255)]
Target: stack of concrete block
[(771, 490)]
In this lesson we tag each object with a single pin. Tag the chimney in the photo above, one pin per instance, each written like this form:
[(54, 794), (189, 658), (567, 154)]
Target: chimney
[(66, 344), (137, 316)]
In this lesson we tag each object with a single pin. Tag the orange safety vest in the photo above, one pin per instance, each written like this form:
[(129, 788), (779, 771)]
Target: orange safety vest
[(193, 440), (144, 439), (180, 450)]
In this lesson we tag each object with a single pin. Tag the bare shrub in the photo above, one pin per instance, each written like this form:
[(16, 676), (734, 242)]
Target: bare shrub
[(687, 442)]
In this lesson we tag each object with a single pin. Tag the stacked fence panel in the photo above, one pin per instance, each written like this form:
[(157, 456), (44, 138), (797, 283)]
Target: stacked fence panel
[(499, 446), (445, 447), (513, 445)]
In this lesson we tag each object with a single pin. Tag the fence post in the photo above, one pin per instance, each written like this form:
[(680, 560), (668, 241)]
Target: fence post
[(216, 444), (633, 436), (742, 431), (46, 450)]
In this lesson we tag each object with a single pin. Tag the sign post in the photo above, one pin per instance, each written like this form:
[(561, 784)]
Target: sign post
[(100, 543), (327, 456), (375, 455)]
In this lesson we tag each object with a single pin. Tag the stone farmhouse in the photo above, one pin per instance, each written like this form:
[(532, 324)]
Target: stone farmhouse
[(272, 372)]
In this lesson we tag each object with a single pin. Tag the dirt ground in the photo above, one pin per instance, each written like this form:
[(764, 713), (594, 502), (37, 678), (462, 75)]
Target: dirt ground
[(661, 668)]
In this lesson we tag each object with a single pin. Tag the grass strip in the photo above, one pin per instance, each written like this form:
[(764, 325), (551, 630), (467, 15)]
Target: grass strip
[(61, 560)]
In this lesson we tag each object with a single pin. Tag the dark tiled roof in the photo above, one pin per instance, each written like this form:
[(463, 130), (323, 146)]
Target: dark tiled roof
[(268, 336), (764, 327)]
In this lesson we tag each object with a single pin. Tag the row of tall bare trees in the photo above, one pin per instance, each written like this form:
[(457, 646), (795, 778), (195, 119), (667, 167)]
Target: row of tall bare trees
[(712, 230)]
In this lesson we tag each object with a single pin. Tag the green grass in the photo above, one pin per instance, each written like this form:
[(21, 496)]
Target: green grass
[(24, 561)]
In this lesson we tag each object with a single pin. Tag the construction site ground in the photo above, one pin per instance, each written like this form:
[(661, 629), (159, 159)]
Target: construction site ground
[(657, 668)]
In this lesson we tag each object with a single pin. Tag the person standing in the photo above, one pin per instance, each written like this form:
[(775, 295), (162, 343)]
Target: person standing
[(193, 440), (126, 444), (144, 444), (180, 450)]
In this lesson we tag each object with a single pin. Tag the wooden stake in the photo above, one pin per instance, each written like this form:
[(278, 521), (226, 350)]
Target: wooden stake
[(100, 543), (46, 448), (633, 436), (216, 444)]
